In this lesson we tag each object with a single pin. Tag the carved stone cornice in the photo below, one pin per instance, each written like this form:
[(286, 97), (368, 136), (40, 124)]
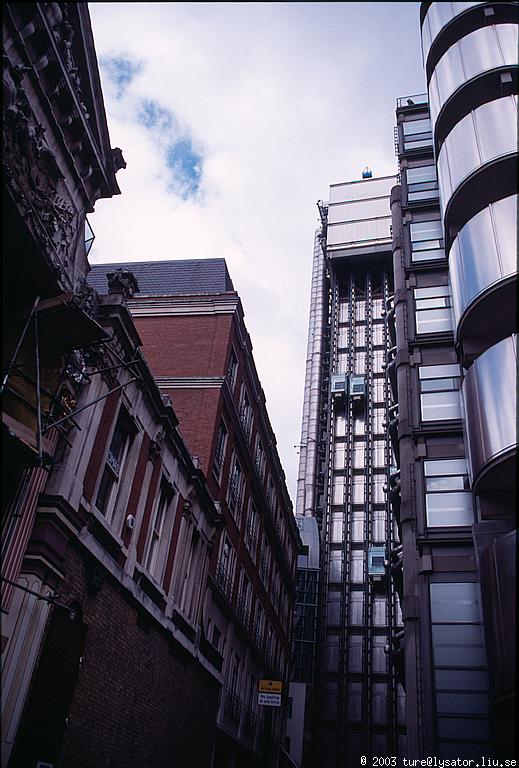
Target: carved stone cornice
[(33, 177)]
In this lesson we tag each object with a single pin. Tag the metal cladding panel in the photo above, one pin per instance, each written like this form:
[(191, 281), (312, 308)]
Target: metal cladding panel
[(492, 232), (436, 18), (476, 53), (487, 133), (362, 189), (359, 213), (489, 393), (356, 232)]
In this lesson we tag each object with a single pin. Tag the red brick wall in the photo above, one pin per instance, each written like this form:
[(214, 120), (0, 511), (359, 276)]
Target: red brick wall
[(186, 345), (133, 703), (197, 411)]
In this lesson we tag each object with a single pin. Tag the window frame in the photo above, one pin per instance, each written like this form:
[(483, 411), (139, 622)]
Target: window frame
[(115, 476)]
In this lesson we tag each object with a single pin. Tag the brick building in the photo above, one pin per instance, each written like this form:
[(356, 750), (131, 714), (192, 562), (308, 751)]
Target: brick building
[(57, 162), (127, 524), (108, 524), (191, 323)]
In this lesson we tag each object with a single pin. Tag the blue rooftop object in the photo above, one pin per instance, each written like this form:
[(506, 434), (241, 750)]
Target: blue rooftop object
[(366, 173)]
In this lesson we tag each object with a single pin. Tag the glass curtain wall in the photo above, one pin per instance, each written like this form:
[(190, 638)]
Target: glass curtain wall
[(362, 712)]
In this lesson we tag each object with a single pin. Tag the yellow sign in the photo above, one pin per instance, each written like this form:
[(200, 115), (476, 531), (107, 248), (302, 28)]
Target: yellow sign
[(270, 686)]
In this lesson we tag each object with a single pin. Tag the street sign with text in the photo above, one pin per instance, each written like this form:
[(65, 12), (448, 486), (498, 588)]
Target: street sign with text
[(269, 699)]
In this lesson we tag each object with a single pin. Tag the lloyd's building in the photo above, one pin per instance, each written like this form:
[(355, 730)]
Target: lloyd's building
[(409, 439)]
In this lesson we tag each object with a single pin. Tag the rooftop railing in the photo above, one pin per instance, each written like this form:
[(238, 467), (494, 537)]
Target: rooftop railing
[(413, 100)]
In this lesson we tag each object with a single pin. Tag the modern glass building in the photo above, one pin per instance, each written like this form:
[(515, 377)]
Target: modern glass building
[(346, 458), (409, 421)]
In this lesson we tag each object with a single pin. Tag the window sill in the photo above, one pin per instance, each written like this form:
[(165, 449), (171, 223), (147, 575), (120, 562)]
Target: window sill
[(149, 586), (104, 533), (185, 626)]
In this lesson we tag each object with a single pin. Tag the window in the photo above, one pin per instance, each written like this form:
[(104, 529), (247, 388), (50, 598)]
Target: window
[(379, 481), (236, 489), (378, 389), (378, 334), (356, 648), (216, 637), (271, 494), (115, 460), (433, 309), (357, 490), (422, 183), (360, 310), (265, 558), (331, 653), (225, 567), (336, 534), (235, 672), (354, 699), (379, 417), (417, 134), (360, 336), (357, 566), (251, 530), (338, 455), (357, 525), (440, 398), (359, 365), (379, 525), (232, 370), (338, 489), (333, 608), (153, 566), (378, 357), (260, 458), (379, 611), (219, 452), (359, 455), (245, 412), (356, 608), (244, 597), (448, 500), (343, 338), (427, 240), (335, 565), (459, 663), (192, 583)]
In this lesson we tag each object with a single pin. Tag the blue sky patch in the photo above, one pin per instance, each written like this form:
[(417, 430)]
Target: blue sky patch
[(186, 165), (121, 70), (153, 116)]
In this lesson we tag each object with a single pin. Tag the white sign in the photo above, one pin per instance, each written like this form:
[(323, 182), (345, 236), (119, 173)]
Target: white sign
[(269, 699)]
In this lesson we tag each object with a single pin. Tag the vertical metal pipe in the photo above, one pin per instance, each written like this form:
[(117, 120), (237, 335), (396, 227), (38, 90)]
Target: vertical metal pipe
[(38, 391), (20, 342)]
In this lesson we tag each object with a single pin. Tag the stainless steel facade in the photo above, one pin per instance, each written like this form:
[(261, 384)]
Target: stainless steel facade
[(433, 334)]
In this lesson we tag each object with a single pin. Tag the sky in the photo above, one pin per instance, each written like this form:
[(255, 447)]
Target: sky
[(234, 119)]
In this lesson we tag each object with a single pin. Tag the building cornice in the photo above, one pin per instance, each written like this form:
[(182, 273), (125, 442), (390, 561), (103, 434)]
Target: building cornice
[(196, 304)]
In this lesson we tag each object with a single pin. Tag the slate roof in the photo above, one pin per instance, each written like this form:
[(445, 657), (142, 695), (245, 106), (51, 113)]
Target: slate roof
[(168, 278)]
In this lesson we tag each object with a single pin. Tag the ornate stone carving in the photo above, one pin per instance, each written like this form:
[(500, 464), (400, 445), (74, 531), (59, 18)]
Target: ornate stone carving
[(157, 444), (32, 173), (85, 298), (122, 281), (64, 34), (118, 159)]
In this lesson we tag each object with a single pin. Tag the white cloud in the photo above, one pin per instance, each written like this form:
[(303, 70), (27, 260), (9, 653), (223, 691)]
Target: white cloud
[(280, 99)]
